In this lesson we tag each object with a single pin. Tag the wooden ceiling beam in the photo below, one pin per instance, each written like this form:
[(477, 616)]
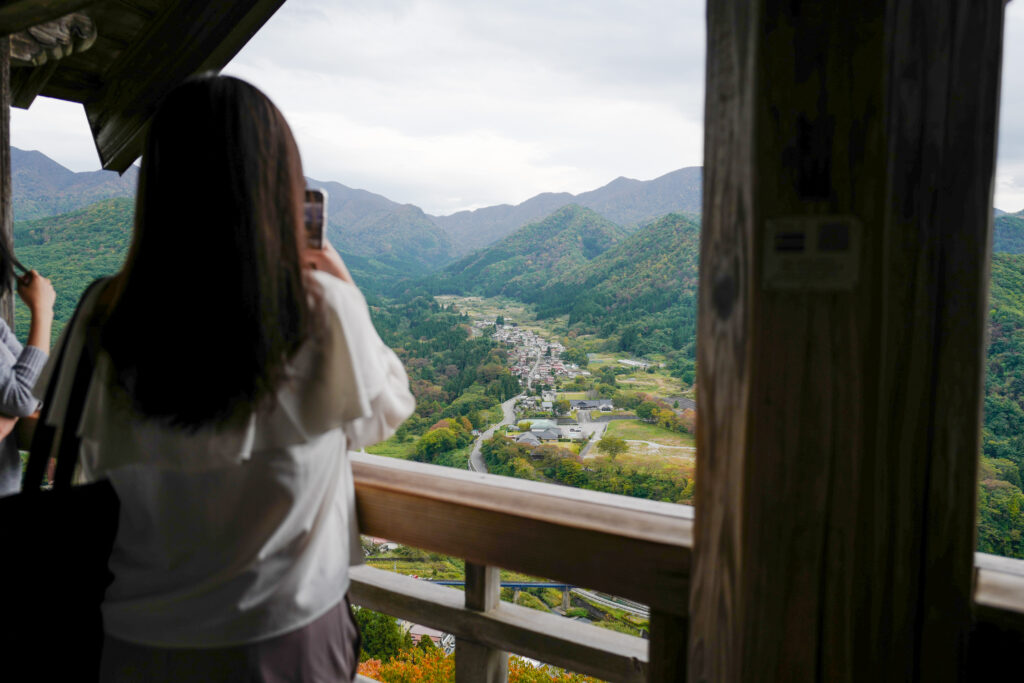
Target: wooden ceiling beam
[(17, 15), (135, 82), (27, 83)]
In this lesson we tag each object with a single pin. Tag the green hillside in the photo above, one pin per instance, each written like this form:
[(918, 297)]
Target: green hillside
[(637, 291), (402, 239), (1008, 234), (522, 263), (74, 249), (1000, 501), (644, 291)]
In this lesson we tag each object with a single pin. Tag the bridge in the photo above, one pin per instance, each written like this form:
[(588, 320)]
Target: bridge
[(518, 586), (634, 608)]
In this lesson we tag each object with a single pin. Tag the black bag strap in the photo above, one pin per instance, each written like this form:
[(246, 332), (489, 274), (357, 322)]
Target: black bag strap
[(45, 434)]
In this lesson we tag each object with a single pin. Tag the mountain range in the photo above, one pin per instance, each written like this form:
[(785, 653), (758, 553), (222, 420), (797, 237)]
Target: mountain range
[(531, 256), (626, 283), (383, 235), (41, 187)]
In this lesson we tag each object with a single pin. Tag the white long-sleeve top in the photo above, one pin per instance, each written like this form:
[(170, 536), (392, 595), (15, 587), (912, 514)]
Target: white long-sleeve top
[(234, 535)]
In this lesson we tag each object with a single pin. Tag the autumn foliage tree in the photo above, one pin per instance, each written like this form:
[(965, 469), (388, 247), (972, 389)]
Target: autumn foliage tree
[(433, 666)]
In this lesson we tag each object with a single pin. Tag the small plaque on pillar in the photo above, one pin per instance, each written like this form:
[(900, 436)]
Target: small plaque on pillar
[(812, 253)]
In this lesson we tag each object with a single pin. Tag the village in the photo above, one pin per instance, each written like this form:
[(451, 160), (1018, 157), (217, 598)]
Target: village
[(542, 418), (533, 358)]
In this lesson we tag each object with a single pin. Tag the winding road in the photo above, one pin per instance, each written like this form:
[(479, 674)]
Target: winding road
[(476, 458)]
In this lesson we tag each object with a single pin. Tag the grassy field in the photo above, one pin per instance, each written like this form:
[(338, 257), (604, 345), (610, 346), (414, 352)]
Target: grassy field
[(573, 395), (633, 430), (489, 308), (393, 448)]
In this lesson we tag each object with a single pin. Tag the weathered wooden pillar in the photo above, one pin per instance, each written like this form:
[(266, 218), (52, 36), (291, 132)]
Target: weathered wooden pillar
[(849, 158), (6, 200), (475, 662)]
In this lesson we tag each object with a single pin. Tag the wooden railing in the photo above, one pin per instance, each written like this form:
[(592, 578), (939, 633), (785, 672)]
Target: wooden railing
[(628, 547), (632, 548)]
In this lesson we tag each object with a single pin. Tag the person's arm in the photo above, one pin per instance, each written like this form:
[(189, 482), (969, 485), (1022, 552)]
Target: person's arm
[(17, 381), (38, 294), (328, 261), (371, 383)]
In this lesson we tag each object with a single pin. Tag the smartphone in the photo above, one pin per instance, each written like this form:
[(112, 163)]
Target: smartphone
[(316, 218)]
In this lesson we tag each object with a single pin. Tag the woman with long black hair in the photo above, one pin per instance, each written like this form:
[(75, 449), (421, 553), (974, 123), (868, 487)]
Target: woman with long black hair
[(20, 365), (236, 368)]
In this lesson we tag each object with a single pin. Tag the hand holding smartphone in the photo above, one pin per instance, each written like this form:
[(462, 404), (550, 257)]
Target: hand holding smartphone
[(321, 255), (316, 218)]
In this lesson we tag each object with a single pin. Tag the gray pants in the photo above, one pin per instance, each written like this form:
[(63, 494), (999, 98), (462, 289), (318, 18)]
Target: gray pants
[(325, 650), (10, 466)]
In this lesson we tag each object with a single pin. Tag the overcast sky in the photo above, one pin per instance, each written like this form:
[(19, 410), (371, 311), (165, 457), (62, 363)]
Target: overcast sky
[(453, 104)]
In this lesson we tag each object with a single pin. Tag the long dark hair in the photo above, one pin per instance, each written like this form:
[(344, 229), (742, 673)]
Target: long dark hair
[(210, 304)]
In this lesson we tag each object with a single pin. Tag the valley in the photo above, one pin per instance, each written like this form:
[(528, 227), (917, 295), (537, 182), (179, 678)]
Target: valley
[(605, 279)]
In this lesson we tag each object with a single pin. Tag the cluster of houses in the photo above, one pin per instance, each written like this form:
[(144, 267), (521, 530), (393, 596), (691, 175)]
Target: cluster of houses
[(534, 358), (546, 431), (546, 402), (595, 404)]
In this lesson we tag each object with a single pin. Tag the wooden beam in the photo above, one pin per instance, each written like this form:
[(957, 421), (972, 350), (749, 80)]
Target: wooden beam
[(634, 548), (474, 661), (17, 15), (28, 82), (155, 63), (6, 198), (667, 653), (549, 638), (839, 424)]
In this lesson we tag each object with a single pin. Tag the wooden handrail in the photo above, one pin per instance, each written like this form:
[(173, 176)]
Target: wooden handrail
[(552, 639), (634, 548)]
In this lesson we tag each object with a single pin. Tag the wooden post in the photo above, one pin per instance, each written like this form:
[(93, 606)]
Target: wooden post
[(6, 200), (667, 648), (839, 421), (476, 663)]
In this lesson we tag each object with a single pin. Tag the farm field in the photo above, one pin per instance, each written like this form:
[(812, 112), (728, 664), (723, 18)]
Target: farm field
[(635, 430), (393, 448)]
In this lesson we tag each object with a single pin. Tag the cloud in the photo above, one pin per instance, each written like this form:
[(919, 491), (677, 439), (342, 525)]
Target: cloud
[(452, 104), (59, 130)]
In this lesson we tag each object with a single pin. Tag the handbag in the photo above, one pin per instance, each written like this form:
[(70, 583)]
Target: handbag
[(56, 543)]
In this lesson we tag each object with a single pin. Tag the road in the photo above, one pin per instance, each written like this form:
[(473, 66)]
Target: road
[(595, 430), (634, 608), (529, 377), (476, 458)]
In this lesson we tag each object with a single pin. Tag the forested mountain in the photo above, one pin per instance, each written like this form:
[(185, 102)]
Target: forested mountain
[(643, 292), (398, 238), (42, 187), (451, 372), (1000, 501), (74, 249), (1008, 237), (636, 291), (624, 201), (526, 260), (384, 240)]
